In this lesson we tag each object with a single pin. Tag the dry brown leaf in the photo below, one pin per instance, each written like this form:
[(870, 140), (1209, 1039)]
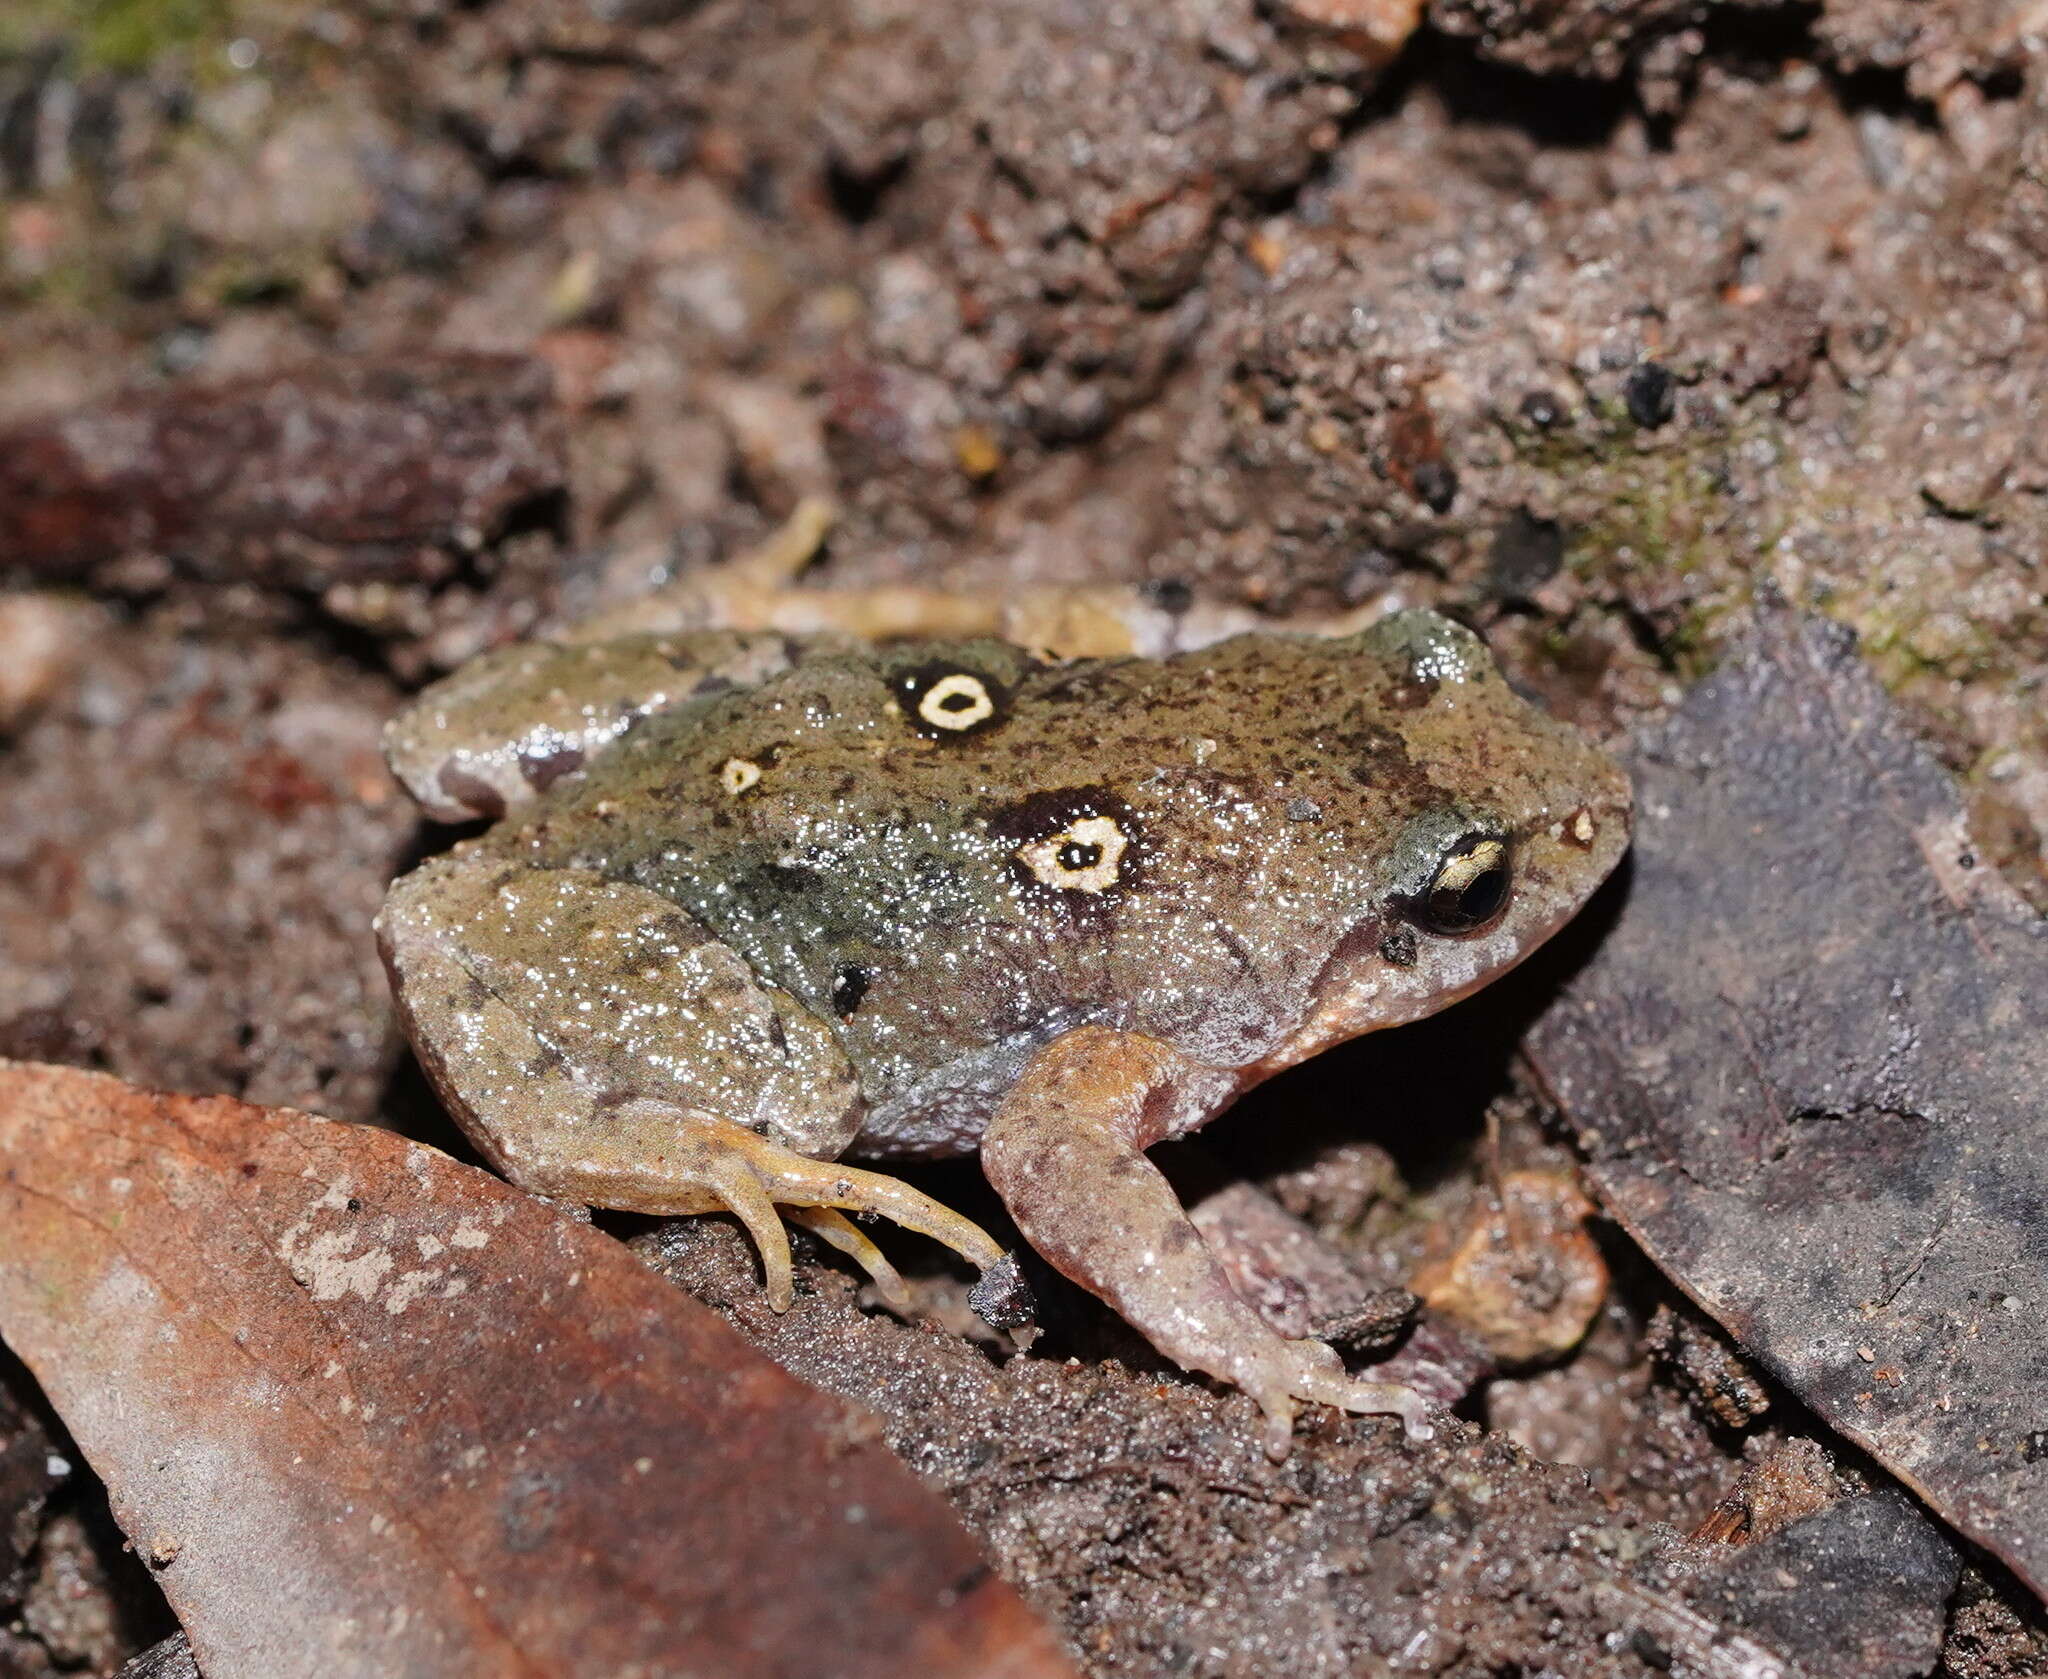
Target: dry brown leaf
[(372, 1412)]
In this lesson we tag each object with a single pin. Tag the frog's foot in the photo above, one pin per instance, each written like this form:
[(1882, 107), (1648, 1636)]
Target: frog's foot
[(1065, 1151), (1278, 1373), (717, 1166), (520, 1043)]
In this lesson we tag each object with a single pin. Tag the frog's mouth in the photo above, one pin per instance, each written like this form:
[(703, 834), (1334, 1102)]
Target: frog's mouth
[(1389, 972)]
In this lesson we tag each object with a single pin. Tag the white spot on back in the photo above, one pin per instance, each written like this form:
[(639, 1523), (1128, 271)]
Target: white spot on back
[(956, 701), (1084, 856)]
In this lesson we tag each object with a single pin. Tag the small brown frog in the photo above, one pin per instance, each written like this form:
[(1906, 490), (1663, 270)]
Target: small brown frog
[(755, 902)]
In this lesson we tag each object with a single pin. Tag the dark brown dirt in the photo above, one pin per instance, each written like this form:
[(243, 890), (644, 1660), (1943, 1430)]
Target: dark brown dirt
[(197, 831), (1592, 322), (1141, 1513)]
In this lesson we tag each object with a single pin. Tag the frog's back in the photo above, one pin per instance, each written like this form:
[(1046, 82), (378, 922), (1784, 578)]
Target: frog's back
[(953, 851)]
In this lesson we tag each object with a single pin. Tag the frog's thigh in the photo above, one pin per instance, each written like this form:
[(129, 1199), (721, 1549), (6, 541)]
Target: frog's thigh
[(506, 726), (600, 1045), (1065, 1153), (554, 998)]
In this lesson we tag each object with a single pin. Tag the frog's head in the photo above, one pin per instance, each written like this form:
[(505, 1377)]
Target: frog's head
[(1480, 825)]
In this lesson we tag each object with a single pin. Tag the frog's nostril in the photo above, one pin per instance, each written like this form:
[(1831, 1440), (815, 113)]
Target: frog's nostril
[(1580, 829)]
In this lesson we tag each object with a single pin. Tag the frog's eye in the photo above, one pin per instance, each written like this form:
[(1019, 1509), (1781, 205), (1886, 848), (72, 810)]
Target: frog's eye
[(1470, 888), (1084, 856), (946, 700)]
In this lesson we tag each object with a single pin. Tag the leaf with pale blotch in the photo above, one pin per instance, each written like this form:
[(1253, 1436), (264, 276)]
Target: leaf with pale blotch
[(368, 1411)]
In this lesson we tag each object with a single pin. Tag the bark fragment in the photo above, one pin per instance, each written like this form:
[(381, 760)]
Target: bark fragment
[(1805, 1066)]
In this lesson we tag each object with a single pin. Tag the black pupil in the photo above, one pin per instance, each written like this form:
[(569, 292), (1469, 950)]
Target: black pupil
[(958, 700), (1455, 906), (1075, 857), (1482, 898)]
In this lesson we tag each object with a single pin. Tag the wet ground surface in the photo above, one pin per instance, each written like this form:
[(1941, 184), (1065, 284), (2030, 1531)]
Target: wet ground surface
[(1593, 323)]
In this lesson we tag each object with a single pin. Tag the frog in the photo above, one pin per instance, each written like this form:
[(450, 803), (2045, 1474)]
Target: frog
[(756, 904)]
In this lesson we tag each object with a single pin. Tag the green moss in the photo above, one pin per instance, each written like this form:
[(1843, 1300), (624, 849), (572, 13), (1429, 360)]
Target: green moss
[(1693, 648), (117, 34), (1656, 516), (1908, 645), (246, 280), (1656, 529), (1657, 508), (1656, 533), (77, 285)]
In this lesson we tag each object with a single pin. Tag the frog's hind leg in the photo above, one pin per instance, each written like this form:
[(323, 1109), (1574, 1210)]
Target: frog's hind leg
[(1065, 1151), (600, 1046), (758, 590)]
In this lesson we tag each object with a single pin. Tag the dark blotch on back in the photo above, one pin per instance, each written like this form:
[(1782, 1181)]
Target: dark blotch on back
[(1378, 758), (850, 984), (1042, 815), (1408, 692), (543, 769), (466, 789), (780, 879)]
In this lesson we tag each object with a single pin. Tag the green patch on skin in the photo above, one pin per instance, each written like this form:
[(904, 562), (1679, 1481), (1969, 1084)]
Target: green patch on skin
[(118, 34)]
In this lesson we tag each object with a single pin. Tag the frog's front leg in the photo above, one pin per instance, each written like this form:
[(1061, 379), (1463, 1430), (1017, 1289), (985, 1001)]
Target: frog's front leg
[(1065, 1151), (600, 1045)]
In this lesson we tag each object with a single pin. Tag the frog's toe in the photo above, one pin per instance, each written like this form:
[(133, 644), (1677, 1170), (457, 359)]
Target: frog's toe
[(740, 1189), (841, 1233), (803, 1182), (759, 1181), (1279, 1407)]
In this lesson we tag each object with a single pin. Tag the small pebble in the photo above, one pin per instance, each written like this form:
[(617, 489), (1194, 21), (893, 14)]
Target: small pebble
[(1649, 394), (1437, 485), (39, 636)]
